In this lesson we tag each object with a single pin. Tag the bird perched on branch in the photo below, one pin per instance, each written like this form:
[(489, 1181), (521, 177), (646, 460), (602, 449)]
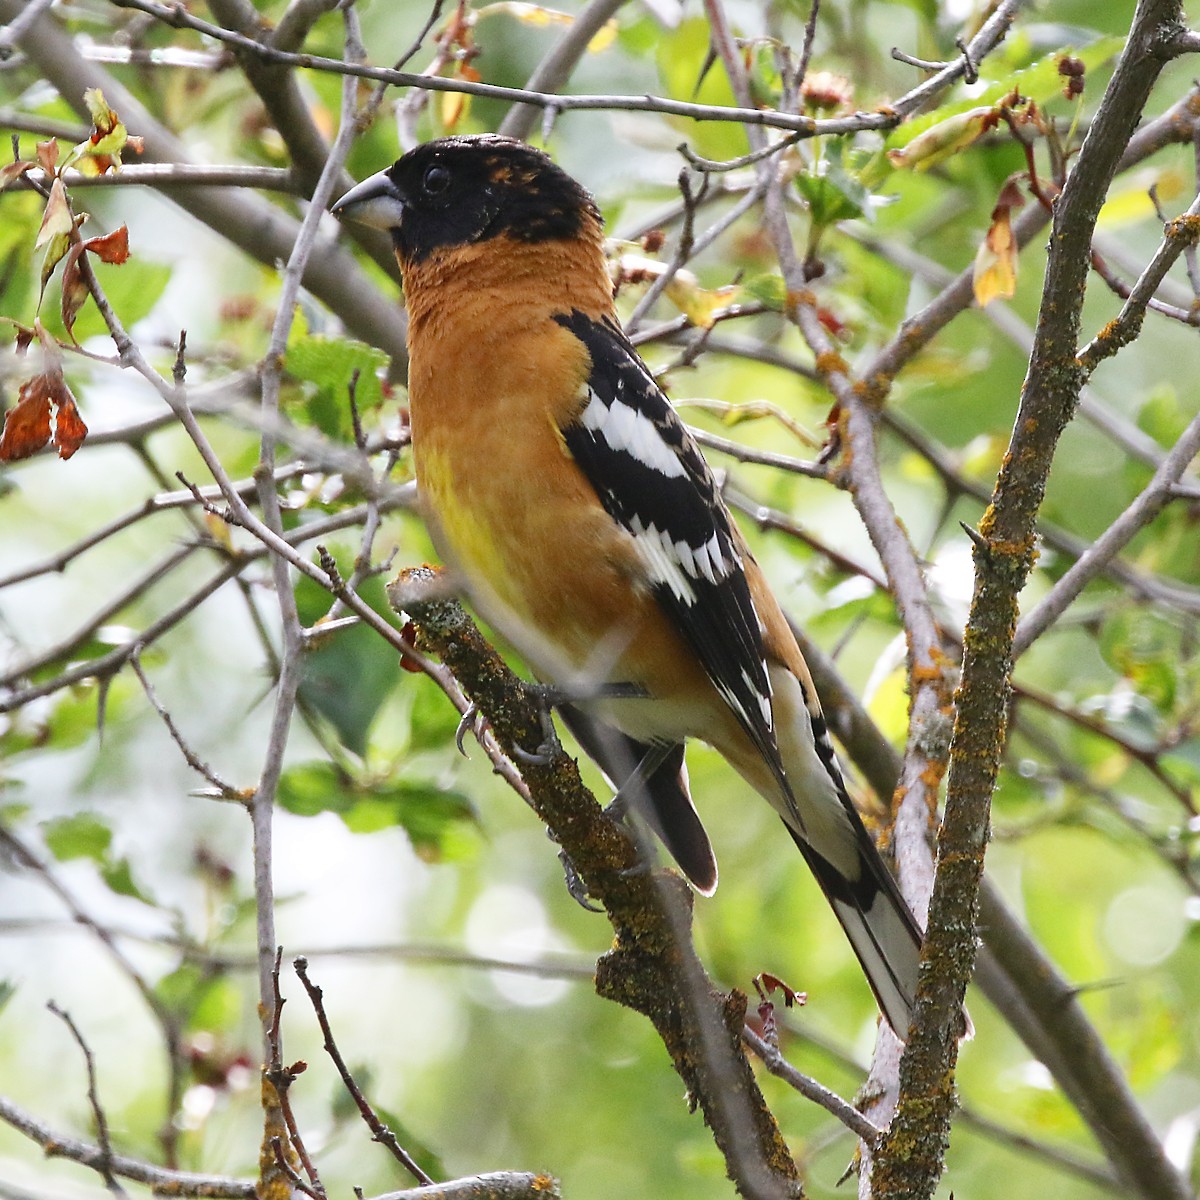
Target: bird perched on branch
[(586, 526)]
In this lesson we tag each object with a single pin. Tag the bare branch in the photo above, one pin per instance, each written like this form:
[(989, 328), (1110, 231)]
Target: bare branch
[(379, 1131), (810, 1089), (1179, 235), (171, 1183), (498, 1185), (1149, 503), (105, 1166), (915, 1142)]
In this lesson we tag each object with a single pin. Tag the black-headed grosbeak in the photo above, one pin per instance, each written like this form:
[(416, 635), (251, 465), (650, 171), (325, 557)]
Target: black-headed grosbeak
[(586, 526)]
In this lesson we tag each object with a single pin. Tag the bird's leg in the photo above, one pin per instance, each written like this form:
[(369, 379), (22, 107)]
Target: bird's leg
[(550, 696), (549, 746), (628, 795), (576, 888), (618, 809), (654, 758)]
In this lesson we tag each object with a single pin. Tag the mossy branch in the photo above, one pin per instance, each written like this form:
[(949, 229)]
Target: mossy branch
[(652, 967)]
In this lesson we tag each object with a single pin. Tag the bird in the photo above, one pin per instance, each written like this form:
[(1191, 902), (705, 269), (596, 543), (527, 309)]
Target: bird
[(583, 523)]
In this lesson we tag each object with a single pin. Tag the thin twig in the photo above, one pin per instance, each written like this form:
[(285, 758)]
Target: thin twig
[(1184, 231), (379, 1131), (104, 1166), (167, 1182), (809, 1088), (193, 760), (1149, 503)]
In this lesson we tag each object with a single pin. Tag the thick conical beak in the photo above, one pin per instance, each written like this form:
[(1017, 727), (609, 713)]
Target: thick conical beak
[(376, 201)]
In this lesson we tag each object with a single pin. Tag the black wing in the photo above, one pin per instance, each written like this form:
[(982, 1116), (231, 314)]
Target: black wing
[(652, 479)]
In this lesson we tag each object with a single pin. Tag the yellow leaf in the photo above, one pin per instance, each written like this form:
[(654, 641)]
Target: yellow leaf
[(455, 108), (540, 16), (698, 304), (1130, 202), (603, 37), (996, 261), (102, 151)]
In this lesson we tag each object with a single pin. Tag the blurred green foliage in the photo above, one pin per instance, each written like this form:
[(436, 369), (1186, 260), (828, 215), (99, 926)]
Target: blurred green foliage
[(416, 871)]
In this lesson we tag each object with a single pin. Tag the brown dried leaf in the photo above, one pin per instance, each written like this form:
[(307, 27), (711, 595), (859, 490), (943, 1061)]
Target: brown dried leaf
[(110, 247), (74, 288), (27, 423), (69, 429), (11, 172), (47, 156)]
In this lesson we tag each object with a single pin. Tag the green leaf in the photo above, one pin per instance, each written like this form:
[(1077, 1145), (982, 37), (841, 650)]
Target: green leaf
[(348, 675), (8, 990), (423, 810), (1040, 81), (769, 289), (683, 53), (83, 835), (329, 364), (118, 874), (432, 719), (215, 1006), (133, 289), (832, 195), (428, 813), (315, 787), (178, 989), (1162, 416), (1144, 648)]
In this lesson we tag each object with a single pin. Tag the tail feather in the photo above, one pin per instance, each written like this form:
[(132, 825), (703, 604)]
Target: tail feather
[(881, 930), (666, 800)]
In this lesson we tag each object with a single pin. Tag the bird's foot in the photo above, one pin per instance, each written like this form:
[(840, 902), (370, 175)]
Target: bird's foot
[(576, 888), (468, 723)]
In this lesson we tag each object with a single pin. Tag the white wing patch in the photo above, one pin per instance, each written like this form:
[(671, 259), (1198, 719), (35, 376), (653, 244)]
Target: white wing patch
[(624, 428), (662, 559), (676, 564)]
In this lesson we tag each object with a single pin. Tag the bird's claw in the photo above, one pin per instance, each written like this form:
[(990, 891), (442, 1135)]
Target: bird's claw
[(576, 888), (465, 725), (546, 697)]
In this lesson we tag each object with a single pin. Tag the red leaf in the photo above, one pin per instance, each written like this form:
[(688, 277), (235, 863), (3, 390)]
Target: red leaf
[(74, 289), (110, 247), (409, 634), (27, 423), (69, 429)]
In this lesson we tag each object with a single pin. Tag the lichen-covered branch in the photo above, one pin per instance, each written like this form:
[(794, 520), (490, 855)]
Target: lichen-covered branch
[(652, 967), (908, 1165)]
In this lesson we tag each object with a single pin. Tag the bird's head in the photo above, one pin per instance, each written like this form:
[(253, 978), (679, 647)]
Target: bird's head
[(458, 191)]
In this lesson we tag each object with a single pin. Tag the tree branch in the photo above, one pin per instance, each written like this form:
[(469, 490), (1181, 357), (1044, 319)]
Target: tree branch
[(909, 1162), (652, 967), (170, 1183)]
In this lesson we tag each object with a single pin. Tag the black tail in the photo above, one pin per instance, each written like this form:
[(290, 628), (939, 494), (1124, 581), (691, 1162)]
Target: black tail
[(881, 929)]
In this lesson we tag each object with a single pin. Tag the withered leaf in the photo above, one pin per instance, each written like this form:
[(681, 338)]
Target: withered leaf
[(27, 423)]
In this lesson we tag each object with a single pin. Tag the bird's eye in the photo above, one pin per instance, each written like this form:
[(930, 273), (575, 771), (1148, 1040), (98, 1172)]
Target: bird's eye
[(436, 181)]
